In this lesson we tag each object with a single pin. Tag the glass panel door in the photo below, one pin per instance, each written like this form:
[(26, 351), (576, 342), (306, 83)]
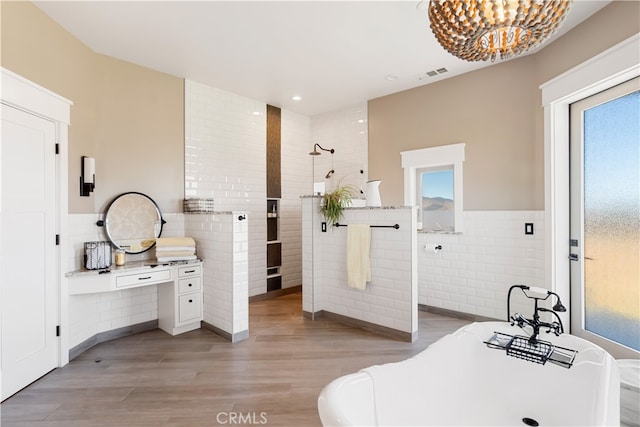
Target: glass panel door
[(605, 219)]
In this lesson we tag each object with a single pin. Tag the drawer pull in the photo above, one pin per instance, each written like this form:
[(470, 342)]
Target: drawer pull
[(189, 271), (190, 285), (190, 300), (144, 278)]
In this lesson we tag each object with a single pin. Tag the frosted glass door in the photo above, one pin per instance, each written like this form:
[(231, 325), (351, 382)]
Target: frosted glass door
[(605, 219)]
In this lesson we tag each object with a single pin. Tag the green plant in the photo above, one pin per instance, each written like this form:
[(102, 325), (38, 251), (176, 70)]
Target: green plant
[(334, 202)]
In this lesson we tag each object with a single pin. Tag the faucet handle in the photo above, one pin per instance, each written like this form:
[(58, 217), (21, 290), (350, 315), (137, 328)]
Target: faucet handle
[(555, 328), (519, 319)]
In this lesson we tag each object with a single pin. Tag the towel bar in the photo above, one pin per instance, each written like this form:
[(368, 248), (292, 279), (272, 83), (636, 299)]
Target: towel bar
[(396, 226)]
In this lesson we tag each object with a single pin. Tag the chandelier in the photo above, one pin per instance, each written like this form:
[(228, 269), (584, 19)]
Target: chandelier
[(477, 30)]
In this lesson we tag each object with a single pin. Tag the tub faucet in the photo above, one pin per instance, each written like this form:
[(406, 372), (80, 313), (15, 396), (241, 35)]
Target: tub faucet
[(535, 323)]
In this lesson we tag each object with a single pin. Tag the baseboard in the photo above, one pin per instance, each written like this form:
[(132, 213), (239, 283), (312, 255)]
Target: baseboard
[(276, 294), (313, 316), (238, 336), (367, 326), (455, 314), (113, 334)]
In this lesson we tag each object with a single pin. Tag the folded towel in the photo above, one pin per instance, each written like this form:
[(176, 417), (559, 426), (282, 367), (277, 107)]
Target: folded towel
[(178, 258), (175, 248), (174, 241), (175, 253), (358, 250)]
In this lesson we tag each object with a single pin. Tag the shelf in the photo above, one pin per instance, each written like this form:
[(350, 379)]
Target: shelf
[(274, 245)]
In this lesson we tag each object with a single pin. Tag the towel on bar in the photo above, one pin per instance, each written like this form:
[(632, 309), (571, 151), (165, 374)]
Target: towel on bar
[(174, 241), (358, 260)]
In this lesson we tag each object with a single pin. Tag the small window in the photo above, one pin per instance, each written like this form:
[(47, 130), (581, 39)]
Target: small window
[(436, 201)]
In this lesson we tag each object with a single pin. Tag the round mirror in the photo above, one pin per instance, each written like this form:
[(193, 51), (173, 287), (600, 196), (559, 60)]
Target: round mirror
[(133, 222)]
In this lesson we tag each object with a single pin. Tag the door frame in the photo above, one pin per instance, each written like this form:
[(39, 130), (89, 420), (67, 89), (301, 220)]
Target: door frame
[(607, 69), (23, 94)]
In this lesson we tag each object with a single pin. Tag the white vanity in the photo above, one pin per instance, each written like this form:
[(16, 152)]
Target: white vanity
[(179, 289)]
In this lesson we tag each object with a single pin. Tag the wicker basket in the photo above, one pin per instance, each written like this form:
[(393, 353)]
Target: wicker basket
[(195, 205)]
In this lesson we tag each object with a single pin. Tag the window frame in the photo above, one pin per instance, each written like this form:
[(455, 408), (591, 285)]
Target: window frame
[(431, 158)]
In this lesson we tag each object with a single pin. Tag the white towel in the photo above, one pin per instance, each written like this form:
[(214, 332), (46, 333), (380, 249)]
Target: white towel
[(177, 258), (358, 260), (175, 248), (174, 254), (174, 241)]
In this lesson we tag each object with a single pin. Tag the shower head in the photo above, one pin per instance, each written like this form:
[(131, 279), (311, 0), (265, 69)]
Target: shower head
[(328, 175), (317, 153)]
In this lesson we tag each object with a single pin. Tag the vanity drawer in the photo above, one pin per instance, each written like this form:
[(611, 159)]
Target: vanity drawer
[(189, 284), (189, 307), (140, 279), (191, 270)]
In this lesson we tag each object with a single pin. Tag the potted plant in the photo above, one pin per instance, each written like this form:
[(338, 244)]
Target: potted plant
[(334, 202)]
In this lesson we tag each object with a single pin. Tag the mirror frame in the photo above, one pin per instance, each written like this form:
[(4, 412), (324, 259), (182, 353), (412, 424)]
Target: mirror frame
[(106, 228)]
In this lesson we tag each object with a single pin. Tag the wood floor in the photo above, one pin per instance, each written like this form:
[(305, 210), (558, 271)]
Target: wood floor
[(199, 379)]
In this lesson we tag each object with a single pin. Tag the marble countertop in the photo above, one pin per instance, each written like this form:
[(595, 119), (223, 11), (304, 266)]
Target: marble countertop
[(132, 265)]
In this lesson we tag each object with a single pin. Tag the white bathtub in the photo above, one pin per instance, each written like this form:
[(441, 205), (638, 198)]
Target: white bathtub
[(458, 380)]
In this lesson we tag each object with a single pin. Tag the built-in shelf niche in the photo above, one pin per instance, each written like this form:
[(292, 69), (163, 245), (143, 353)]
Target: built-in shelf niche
[(274, 192)]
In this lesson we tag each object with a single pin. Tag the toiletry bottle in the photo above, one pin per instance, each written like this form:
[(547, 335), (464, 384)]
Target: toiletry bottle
[(120, 257)]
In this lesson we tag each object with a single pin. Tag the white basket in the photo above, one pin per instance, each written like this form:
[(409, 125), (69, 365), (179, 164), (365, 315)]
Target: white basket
[(97, 255)]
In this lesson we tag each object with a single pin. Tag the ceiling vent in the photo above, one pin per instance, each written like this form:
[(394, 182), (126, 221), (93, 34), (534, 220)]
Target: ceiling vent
[(434, 73)]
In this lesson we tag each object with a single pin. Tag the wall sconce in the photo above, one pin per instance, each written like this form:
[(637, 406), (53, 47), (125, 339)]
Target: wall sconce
[(88, 176)]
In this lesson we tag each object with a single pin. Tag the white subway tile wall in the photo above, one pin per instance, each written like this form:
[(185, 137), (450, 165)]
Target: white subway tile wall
[(474, 270), (222, 242), (389, 299), (240, 249), (225, 159), (94, 313), (347, 132), (296, 181)]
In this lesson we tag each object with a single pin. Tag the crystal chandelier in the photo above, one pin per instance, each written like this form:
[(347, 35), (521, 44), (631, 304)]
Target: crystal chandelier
[(477, 30)]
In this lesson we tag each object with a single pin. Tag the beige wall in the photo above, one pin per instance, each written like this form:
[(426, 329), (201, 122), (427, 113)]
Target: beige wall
[(131, 119), (496, 111)]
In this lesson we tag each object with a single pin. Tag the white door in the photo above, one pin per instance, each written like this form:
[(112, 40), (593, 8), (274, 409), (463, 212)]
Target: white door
[(605, 219), (28, 284)]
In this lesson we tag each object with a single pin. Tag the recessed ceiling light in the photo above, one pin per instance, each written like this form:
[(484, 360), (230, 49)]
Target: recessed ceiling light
[(390, 77), (296, 97), (256, 113)]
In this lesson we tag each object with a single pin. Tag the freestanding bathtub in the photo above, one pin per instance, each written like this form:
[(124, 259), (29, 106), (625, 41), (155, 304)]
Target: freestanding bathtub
[(459, 380)]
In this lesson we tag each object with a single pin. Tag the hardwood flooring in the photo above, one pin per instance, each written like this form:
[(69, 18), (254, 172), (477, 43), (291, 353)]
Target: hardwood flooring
[(198, 379)]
